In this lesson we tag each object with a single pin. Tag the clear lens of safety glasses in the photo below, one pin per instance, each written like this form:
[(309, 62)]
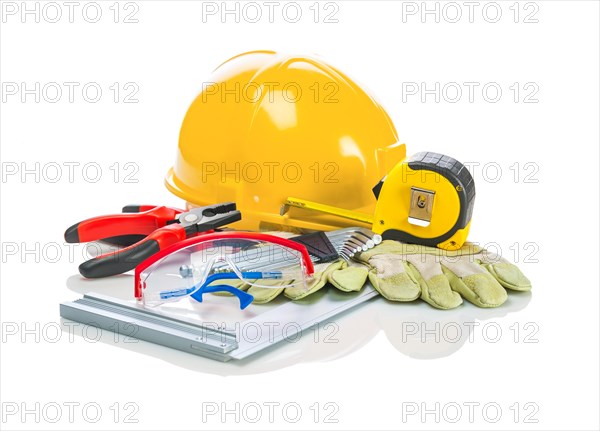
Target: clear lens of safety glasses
[(223, 261)]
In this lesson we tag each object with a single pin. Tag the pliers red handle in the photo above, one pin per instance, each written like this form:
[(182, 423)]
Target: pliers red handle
[(159, 227)]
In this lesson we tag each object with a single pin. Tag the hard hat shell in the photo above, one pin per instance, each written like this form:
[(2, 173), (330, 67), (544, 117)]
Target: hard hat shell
[(268, 126)]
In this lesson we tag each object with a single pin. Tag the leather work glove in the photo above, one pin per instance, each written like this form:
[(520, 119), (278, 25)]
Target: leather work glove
[(263, 295), (320, 278), (405, 272), (322, 270)]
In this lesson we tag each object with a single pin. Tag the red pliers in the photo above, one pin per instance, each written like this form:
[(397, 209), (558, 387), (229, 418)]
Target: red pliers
[(156, 227)]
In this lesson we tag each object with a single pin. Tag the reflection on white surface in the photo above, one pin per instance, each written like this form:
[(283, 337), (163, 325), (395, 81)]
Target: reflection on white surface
[(414, 329), (118, 286)]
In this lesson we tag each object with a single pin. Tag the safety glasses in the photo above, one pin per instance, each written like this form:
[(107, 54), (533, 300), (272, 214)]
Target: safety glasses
[(222, 262)]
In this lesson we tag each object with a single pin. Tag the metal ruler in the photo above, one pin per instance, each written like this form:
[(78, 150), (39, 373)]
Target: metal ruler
[(208, 339)]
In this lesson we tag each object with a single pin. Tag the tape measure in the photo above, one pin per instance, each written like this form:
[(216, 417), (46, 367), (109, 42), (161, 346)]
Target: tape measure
[(427, 199)]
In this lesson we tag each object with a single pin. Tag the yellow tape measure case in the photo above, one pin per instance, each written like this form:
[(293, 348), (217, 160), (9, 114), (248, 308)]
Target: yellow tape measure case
[(427, 199)]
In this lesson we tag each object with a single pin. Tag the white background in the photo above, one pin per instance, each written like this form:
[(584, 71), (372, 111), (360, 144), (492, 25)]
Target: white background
[(373, 376)]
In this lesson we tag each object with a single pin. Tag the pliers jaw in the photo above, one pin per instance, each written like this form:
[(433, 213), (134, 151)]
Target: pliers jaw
[(209, 217)]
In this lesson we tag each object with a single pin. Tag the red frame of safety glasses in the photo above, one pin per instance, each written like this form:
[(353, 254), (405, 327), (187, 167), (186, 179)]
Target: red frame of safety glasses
[(216, 236)]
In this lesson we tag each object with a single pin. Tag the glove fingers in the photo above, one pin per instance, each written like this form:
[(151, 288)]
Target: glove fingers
[(443, 278), (319, 280), (391, 277), (509, 276), (436, 291), (295, 293), (262, 295), (475, 284), (349, 279), (435, 287)]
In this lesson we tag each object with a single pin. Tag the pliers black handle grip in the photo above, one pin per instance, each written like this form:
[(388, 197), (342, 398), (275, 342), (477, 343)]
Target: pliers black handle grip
[(138, 227)]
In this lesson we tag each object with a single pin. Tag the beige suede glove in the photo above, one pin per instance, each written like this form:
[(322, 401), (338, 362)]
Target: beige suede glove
[(263, 295), (320, 278), (406, 272)]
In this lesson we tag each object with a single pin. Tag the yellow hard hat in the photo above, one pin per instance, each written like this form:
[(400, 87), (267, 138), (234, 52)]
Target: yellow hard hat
[(268, 126)]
